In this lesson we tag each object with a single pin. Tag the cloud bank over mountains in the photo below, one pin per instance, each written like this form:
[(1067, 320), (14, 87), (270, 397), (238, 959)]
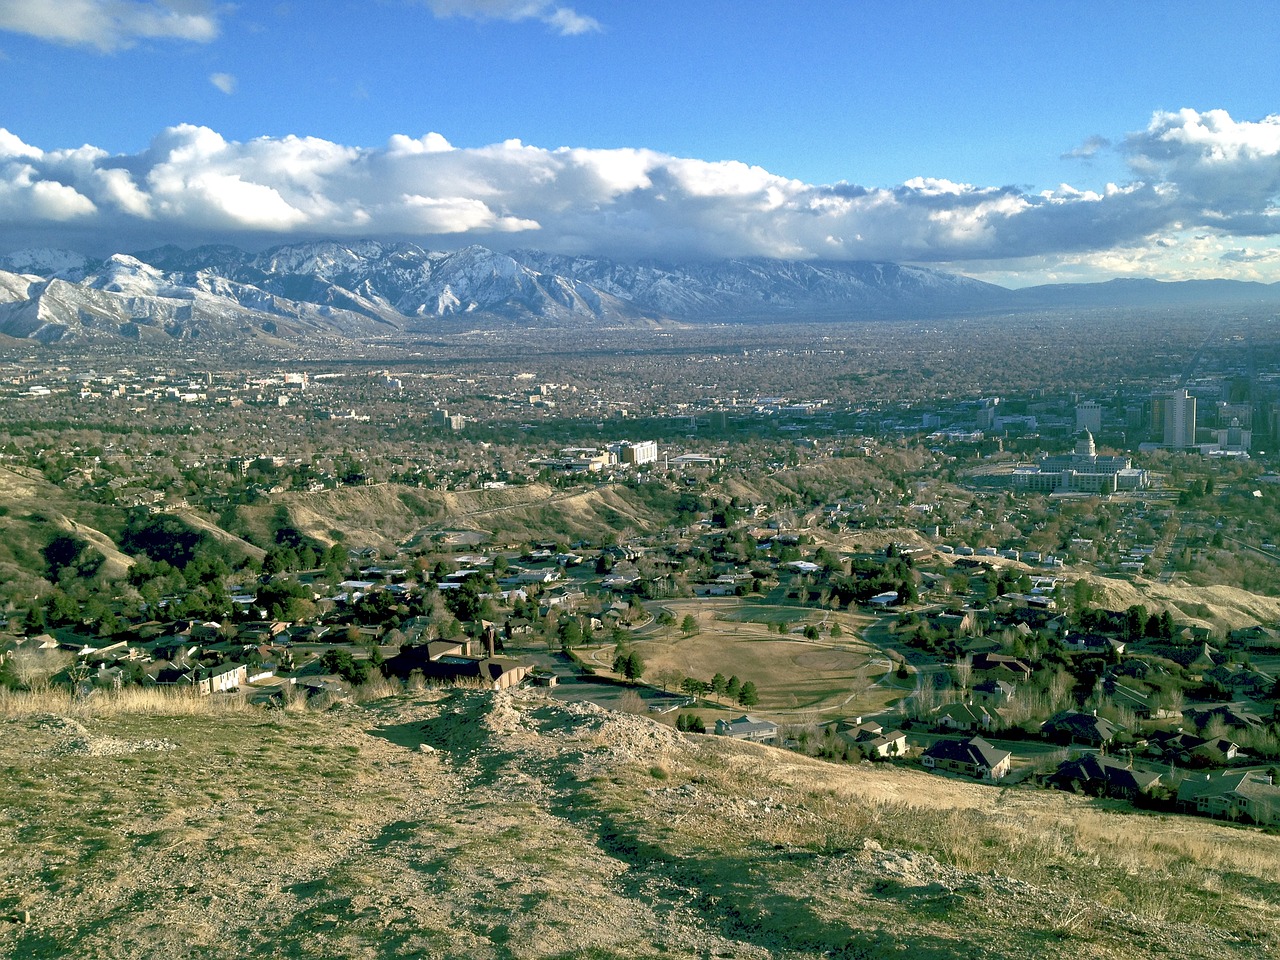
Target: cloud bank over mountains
[(1202, 201)]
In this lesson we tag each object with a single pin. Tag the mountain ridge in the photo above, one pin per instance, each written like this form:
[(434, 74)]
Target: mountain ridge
[(369, 287)]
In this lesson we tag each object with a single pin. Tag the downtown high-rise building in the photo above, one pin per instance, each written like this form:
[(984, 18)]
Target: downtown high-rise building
[(1089, 416), (1179, 419)]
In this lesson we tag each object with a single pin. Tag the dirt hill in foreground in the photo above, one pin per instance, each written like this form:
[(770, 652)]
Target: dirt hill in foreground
[(463, 824)]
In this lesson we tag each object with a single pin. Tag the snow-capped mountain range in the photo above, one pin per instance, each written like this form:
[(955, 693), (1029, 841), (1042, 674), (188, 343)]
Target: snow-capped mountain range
[(363, 288), (367, 288)]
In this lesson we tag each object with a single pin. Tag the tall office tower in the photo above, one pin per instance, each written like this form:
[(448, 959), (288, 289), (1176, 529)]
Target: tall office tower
[(988, 407), (1089, 417), (1180, 419)]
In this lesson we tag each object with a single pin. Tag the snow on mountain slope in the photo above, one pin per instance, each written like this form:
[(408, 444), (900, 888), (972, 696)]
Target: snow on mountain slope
[(355, 289), (65, 264), (705, 290), (16, 287)]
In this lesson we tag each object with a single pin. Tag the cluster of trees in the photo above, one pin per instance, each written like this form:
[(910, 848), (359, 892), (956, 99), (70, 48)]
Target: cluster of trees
[(346, 666), (1133, 624), (868, 577), (690, 723), (73, 556), (732, 689), (628, 663)]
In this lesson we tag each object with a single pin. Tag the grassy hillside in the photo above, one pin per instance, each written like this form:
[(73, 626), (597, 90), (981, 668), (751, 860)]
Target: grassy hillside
[(525, 828), (34, 512), (1218, 605), (388, 516)]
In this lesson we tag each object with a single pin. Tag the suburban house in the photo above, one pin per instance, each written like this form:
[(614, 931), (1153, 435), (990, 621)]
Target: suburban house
[(1070, 726), (1190, 750), (1259, 637), (1230, 716), (964, 716), (1143, 705), (973, 757), (1093, 643), (207, 680), (1203, 663), (994, 692), (1235, 795), (1240, 679), (209, 630), (1103, 777), (446, 661), (999, 666), (873, 740), (747, 727)]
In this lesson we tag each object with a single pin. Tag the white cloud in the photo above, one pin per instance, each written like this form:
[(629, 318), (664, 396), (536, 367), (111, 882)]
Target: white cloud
[(569, 23), (11, 146), (430, 143), (1219, 170), (118, 190), (1091, 147), (1207, 181), (564, 20), (110, 24), (224, 82), (447, 215), (25, 196)]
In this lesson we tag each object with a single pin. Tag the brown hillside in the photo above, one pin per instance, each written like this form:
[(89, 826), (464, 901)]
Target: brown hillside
[(464, 824), (387, 515)]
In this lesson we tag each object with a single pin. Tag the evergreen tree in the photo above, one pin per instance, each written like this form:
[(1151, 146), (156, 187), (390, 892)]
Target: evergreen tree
[(34, 622), (1135, 622), (8, 676), (633, 669), (340, 662)]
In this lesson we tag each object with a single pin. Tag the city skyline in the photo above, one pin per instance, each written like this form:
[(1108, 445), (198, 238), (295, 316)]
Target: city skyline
[(1011, 147)]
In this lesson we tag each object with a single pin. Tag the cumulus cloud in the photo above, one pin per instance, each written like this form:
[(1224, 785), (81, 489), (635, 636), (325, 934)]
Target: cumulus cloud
[(1244, 255), (564, 20), (1200, 180), (110, 25), (224, 82), (1226, 173)]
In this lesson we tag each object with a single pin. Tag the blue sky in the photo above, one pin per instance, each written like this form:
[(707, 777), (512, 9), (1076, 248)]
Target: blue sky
[(1012, 141)]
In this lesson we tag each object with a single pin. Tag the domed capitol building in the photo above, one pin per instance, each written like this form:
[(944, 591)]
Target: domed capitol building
[(1082, 471)]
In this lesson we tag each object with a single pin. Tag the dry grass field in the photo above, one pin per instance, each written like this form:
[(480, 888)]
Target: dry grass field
[(463, 824), (798, 679)]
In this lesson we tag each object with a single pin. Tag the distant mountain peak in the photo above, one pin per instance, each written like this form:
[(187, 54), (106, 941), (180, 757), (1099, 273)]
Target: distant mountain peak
[(44, 262), (353, 288)]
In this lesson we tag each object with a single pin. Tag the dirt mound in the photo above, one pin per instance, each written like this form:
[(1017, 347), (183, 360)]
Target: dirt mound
[(74, 739)]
